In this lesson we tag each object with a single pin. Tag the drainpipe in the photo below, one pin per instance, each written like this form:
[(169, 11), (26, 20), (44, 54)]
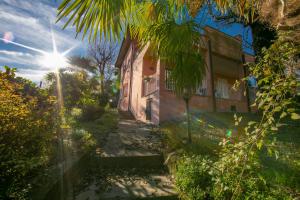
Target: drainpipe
[(212, 76), (246, 85)]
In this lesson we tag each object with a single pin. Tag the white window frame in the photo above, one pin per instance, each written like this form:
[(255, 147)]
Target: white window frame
[(222, 88)]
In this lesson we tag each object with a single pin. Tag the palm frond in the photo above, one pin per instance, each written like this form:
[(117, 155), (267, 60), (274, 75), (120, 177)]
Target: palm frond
[(176, 42), (96, 17), (166, 24)]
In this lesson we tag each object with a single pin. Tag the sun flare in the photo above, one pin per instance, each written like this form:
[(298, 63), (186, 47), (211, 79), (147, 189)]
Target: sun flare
[(54, 60)]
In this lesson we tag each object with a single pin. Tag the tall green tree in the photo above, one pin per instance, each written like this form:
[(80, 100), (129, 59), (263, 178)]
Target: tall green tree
[(99, 61), (182, 55), (77, 86)]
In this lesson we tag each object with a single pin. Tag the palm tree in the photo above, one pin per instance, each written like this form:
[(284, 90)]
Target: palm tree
[(111, 18), (177, 45), (169, 25)]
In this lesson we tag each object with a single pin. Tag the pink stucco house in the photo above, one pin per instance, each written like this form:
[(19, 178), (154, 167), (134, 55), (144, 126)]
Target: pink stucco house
[(146, 87)]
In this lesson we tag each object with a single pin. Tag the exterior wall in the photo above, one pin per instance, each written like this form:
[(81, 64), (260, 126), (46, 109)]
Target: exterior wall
[(223, 44), (137, 105), (154, 96), (226, 63), (232, 71), (172, 106), (136, 101), (125, 80)]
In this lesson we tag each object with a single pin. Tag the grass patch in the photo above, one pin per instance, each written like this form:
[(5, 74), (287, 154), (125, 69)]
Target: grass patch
[(207, 129), (91, 134)]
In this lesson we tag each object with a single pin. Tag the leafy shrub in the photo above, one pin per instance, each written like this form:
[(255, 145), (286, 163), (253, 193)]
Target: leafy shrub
[(108, 119), (91, 112), (76, 113), (197, 178), (84, 139), (103, 99), (27, 125), (192, 177)]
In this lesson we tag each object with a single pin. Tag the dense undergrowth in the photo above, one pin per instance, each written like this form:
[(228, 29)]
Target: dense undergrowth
[(193, 164), (90, 134), (36, 137), (28, 123)]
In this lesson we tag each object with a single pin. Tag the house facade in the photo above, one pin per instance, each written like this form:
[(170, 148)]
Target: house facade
[(147, 90)]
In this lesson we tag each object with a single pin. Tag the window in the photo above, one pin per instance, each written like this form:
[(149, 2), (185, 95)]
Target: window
[(222, 88), (202, 90), (168, 80)]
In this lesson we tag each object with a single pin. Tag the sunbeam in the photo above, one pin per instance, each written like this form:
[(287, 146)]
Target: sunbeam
[(68, 50), (56, 61), (50, 59), (24, 46)]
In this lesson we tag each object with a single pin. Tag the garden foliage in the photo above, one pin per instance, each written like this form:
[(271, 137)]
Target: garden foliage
[(27, 130), (237, 174)]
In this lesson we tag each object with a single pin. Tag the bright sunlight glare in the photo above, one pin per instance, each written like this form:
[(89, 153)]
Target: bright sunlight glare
[(54, 60)]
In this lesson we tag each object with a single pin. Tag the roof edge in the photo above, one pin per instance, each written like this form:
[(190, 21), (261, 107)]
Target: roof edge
[(123, 50)]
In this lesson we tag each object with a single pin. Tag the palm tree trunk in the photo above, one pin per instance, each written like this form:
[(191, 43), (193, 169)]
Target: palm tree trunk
[(102, 86), (102, 81), (187, 107)]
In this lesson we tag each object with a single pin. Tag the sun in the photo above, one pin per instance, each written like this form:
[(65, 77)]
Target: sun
[(54, 60)]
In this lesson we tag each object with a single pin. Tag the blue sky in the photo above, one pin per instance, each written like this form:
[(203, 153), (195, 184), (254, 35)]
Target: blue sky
[(30, 20)]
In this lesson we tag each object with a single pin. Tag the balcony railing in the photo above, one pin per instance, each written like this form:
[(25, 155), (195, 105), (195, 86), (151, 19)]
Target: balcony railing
[(149, 85)]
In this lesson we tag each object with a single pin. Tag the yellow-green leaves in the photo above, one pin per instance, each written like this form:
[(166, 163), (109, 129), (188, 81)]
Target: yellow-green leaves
[(295, 116), (27, 123)]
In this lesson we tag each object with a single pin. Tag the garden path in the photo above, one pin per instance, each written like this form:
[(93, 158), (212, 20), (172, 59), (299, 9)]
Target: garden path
[(132, 165)]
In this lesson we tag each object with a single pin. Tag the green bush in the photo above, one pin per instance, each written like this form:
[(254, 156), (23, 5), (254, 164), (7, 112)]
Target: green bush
[(192, 177), (27, 132), (91, 112), (108, 119), (83, 139), (76, 113), (197, 178), (103, 99)]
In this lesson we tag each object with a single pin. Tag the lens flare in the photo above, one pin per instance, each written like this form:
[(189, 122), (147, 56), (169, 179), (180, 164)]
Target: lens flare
[(54, 60), (228, 133), (8, 37)]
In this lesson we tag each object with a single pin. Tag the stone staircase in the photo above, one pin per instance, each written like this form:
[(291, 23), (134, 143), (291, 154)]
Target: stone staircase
[(130, 166), (126, 115)]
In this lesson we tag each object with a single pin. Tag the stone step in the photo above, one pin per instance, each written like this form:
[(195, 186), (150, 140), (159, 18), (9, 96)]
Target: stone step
[(123, 187), (155, 161), (126, 114)]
